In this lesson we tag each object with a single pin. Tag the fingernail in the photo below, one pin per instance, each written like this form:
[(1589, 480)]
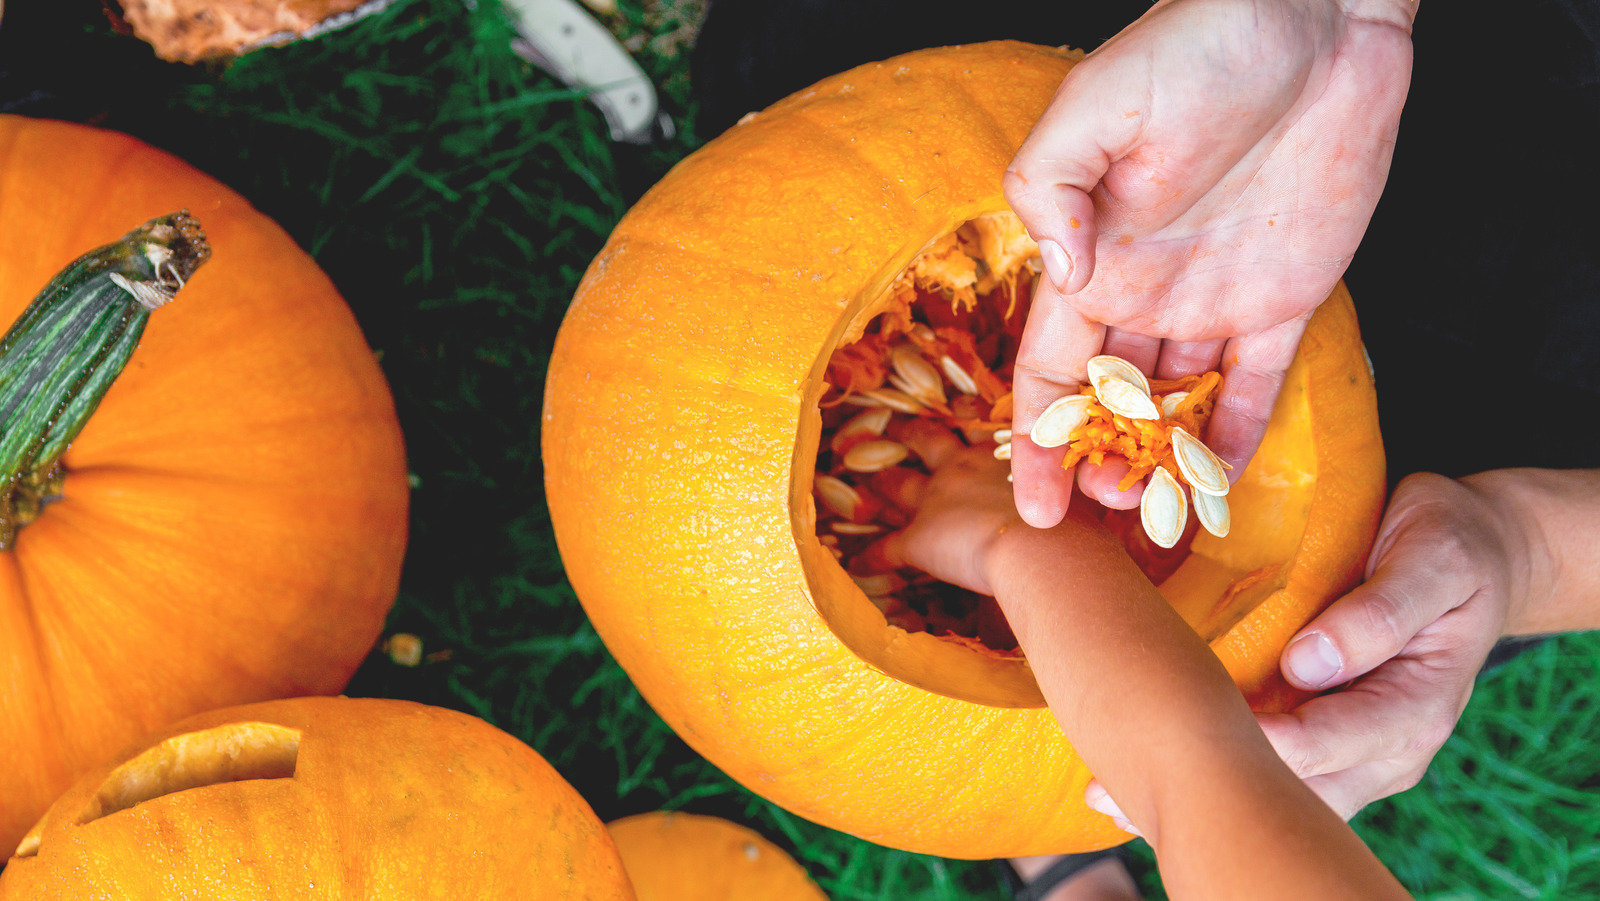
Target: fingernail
[(1314, 660), (1126, 826), (1057, 264), (1099, 800)]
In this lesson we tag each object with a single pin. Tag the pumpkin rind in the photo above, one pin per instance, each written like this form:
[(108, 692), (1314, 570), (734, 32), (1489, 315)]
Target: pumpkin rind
[(680, 430), (379, 799), (234, 514), (673, 856)]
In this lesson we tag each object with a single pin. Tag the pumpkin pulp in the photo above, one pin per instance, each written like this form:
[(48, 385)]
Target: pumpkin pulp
[(66, 349), (963, 301)]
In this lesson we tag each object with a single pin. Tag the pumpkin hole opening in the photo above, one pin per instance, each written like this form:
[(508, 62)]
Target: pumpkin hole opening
[(940, 344), (236, 752)]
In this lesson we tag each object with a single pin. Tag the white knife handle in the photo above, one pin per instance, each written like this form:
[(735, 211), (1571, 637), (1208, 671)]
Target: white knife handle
[(563, 39)]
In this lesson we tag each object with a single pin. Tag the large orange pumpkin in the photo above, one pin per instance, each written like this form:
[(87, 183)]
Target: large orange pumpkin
[(673, 856), (228, 527), (321, 798), (681, 433)]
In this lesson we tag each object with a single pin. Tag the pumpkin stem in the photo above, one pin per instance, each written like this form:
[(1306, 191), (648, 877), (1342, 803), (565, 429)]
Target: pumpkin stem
[(62, 354)]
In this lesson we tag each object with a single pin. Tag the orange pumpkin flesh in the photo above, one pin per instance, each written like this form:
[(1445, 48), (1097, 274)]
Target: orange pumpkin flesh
[(233, 516), (320, 798), (680, 441), (673, 856)]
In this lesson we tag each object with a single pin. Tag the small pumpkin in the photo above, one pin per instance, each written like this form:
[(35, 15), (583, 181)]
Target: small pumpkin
[(672, 856), (320, 798), (228, 525), (683, 413)]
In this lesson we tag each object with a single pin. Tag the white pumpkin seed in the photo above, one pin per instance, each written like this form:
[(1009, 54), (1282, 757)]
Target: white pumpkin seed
[(861, 400), (898, 401), (1125, 399), (958, 376), (914, 375), (875, 456), (923, 331), (1201, 468), (1213, 513), (1107, 366), (1002, 451), (1169, 403), (1059, 420), (838, 496), (857, 528), (871, 422), (1002, 436), (1163, 510)]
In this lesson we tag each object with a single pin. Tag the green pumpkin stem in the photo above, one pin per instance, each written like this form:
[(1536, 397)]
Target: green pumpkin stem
[(64, 351)]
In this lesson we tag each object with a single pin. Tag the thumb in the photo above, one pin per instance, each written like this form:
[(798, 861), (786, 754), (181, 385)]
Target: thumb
[(1049, 181), (1410, 588)]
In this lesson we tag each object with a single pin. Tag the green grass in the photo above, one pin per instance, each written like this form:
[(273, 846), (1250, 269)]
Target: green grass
[(455, 195)]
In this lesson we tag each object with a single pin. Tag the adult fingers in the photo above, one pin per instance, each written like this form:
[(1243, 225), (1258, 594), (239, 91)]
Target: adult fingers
[(1253, 368), (1403, 710), (1050, 179), (1056, 343), (1427, 570), (1181, 358), (1100, 482), (1140, 350), (1040, 488)]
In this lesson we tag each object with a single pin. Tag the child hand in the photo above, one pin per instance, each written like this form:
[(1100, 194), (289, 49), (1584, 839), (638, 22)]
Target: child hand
[(958, 512)]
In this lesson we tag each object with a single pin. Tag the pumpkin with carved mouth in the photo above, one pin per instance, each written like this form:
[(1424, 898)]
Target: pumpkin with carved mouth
[(718, 428), (320, 798)]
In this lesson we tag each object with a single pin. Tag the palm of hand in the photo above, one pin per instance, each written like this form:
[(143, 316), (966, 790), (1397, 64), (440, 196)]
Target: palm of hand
[(1234, 155)]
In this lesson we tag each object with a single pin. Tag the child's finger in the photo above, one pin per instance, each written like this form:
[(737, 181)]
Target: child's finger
[(884, 555), (901, 486), (933, 443)]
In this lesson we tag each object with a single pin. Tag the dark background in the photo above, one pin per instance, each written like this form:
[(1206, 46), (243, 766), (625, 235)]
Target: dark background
[(1478, 282)]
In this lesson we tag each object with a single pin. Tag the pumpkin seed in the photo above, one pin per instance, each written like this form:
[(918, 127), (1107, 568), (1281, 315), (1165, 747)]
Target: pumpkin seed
[(1059, 420), (1125, 399), (1163, 510), (958, 376), (871, 422), (1002, 436), (875, 456), (914, 375), (838, 496), (923, 331), (1201, 468), (1107, 366), (1002, 451), (1169, 404), (898, 401), (857, 528), (1213, 513)]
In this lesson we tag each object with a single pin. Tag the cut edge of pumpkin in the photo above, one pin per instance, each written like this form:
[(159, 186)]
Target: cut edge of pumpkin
[(1212, 589)]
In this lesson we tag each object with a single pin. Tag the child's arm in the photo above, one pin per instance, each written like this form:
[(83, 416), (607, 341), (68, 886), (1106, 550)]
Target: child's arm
[(1145, 702)]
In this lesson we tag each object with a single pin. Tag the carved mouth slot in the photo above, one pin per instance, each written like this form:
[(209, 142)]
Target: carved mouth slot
[(236, 752)]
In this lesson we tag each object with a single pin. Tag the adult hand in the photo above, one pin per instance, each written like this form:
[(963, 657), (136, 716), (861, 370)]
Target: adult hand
[(1447, 566), (1197, 186)]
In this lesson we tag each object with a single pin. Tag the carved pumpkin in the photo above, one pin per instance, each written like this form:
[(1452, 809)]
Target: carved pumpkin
[(674, 856), (320, 798), (683, 414), (229, 524)]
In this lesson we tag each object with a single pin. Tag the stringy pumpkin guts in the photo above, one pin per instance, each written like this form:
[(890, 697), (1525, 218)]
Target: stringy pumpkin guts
[(944, 350)]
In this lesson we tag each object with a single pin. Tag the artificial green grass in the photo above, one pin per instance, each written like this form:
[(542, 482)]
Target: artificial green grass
[(455, 195)]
